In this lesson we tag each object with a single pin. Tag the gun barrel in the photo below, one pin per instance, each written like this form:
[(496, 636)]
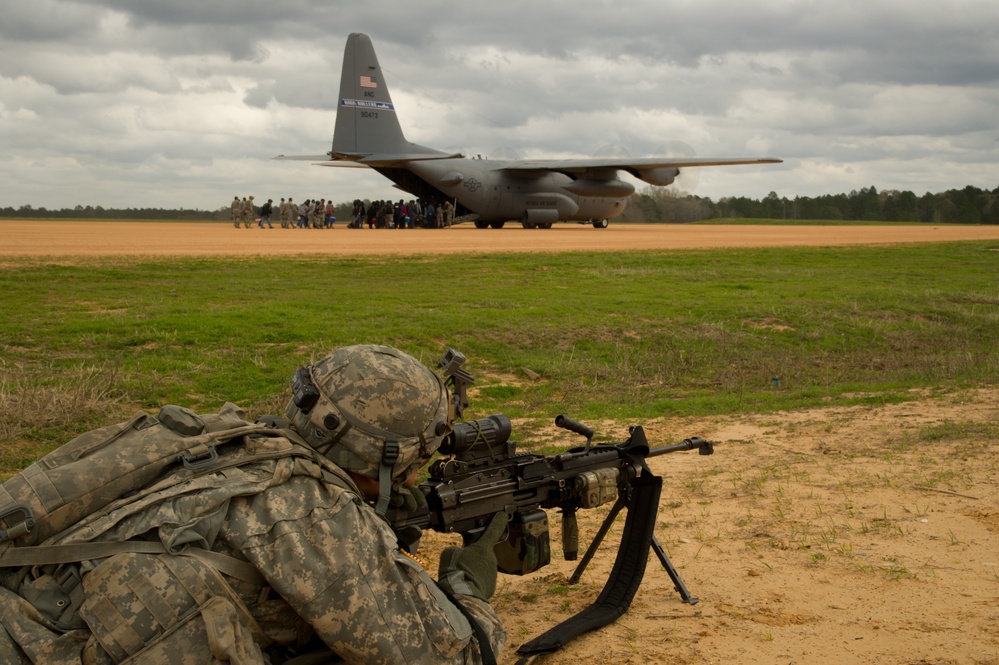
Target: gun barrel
[(703, 447)]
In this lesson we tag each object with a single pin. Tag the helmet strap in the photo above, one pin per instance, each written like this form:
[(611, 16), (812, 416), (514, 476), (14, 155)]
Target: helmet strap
[(390, 454)]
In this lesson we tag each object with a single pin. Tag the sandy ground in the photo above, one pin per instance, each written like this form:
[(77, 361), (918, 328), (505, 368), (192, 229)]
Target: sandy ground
[(836, 535), (820, 536), (43, 238)]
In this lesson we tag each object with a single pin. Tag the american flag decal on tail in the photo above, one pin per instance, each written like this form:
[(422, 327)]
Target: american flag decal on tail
[(368, 82)]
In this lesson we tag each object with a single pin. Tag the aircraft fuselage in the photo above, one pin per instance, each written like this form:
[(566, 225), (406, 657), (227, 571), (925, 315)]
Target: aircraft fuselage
[(495, 194)]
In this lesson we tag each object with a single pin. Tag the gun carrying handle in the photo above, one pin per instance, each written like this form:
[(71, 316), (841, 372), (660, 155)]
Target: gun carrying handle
[(579, 428), (570, 534)]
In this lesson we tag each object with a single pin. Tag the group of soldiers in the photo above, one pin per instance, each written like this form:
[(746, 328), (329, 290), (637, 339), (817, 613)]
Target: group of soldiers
[(319, 214), (402, 215), (314, 213), (242, 211)]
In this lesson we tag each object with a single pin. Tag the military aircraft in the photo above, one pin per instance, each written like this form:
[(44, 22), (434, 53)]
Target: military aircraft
[(489, 192)]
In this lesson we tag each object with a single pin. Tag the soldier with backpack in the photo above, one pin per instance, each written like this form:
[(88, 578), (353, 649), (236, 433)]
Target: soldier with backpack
[(186, 538)]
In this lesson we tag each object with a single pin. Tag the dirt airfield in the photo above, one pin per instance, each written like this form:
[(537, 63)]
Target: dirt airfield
[(84, 238), (865, 534)]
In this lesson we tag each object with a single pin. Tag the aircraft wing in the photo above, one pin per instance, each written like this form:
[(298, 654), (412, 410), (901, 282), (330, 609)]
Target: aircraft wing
[(349, 160), (598, 174), (302, 158), (321, 160), (579, 166), (398, 159)]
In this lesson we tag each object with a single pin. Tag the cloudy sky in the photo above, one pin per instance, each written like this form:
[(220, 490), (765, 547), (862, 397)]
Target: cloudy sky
[(181, 103)]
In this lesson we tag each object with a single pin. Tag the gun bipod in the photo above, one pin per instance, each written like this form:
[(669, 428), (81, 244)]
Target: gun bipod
[(678, 584), (642, 501), (657, 547)]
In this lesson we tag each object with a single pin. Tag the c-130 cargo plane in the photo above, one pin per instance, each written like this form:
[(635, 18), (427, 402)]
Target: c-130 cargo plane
[(491, 192)]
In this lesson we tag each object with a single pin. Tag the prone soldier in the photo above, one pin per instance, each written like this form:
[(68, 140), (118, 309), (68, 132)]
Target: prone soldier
[(262, 543)]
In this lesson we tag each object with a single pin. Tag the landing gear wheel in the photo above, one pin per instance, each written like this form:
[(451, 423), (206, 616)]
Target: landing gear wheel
[(600, 224), (497, 225), (481, 225), (546, 225)]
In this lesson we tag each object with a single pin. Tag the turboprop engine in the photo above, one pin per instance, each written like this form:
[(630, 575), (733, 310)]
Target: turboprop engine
[(659, 176)]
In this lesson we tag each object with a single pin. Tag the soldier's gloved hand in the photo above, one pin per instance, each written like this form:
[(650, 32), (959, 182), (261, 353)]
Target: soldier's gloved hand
[(471, 571), (404, 502), (407, 500)]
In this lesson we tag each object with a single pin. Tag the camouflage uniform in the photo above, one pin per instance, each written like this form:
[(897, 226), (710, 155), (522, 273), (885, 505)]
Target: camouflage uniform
[(268, 553), (247, 212)]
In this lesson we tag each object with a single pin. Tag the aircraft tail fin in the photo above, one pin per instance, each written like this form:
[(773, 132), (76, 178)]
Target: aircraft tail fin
[(366, 122)]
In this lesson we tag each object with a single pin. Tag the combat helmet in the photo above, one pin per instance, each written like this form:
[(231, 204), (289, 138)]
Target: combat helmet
[(371, 409)]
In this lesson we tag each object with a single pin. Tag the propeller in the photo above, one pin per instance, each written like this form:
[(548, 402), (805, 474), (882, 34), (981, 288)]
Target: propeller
[(505, 154), (612, 151), (687, 180)]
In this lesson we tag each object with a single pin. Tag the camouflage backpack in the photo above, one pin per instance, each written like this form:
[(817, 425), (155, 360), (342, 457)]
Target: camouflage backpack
[(98, 467), (140, 600)]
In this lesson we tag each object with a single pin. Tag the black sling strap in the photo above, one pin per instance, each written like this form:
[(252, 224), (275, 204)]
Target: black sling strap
[(485, 646), (625, 577)]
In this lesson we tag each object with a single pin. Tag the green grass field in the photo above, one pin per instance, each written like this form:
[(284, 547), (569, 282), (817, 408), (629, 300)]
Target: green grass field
[(631, 335)]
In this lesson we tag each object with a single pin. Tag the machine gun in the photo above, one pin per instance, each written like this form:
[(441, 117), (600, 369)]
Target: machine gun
[(482, 473)]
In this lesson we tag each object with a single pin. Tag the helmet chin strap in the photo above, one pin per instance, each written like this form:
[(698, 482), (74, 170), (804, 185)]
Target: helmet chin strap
[(390, 454)]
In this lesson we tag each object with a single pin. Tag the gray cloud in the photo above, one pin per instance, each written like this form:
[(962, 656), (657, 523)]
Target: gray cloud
[(124, 102)]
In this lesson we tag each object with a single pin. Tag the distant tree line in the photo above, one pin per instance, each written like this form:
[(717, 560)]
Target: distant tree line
[(969, 205), (99, 212)]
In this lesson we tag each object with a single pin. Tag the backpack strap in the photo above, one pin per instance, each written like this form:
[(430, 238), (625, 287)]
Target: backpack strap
[(44, 555)]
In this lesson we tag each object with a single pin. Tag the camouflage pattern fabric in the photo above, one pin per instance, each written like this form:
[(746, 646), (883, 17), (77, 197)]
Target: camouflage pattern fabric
[(146, 608), (330, 565), (369, 394), (337, 564), (247, 212)]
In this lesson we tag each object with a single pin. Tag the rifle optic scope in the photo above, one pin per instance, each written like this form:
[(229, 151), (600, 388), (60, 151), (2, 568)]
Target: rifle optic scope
[(490, 432)]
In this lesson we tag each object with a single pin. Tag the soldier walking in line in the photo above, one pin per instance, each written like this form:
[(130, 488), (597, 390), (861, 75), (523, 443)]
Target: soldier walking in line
[(247, 212), (448, 213), (303, 215), (266, 211), (431, 215), (290, 213)]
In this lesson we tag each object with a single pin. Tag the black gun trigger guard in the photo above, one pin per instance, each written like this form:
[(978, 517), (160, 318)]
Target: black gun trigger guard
[(511, 511)]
